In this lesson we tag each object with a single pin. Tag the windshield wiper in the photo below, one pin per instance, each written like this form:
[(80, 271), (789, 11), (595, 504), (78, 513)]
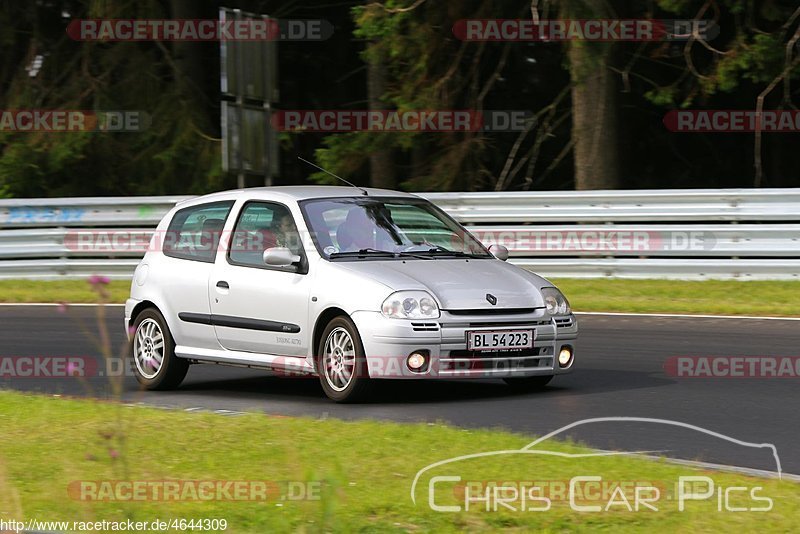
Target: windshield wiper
[(405, 254), (362, 252), (439, 250)]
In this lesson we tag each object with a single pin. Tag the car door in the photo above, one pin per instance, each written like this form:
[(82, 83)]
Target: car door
[(190, 248), (256, 307)]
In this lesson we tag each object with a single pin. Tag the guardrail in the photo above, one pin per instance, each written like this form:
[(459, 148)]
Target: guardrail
[(680, 234)]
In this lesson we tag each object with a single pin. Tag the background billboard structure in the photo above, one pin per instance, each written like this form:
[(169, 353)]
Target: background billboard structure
[(249, 87)]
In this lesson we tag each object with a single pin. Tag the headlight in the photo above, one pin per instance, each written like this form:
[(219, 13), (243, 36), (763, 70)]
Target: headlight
[(410, 305), (555, 301)]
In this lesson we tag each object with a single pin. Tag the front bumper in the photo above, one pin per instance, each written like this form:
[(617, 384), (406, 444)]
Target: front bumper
[(389, 342)]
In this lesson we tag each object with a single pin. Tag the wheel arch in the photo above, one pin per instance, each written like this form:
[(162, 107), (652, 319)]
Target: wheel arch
[(139, 308), (327, 315)]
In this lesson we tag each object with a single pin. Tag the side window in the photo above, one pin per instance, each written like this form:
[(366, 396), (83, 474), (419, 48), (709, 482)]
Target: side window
[(263, 225), (194, 232)]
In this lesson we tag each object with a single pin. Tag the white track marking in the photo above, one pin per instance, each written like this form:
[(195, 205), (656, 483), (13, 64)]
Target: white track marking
[(690, 316)]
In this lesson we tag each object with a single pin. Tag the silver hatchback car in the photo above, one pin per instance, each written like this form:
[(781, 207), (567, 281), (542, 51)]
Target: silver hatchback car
[(350, 285)]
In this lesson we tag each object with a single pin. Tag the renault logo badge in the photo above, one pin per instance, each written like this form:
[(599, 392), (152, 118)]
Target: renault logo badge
[(491, 298)]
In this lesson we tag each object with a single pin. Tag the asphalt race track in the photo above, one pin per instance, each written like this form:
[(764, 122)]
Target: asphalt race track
[(620, 373)]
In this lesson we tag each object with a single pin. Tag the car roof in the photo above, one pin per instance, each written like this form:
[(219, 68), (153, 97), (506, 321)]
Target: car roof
[(299, 192)]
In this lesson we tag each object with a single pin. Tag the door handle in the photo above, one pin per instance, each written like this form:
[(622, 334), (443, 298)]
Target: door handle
[(222, 284)]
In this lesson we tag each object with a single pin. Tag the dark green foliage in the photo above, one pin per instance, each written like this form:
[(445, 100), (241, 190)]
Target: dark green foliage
[(426, 68), (176, 154)]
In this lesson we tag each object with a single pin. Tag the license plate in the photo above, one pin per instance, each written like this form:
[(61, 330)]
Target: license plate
[(499, 339)]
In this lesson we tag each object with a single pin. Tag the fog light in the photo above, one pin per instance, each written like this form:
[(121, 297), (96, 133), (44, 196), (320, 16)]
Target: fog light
[(416, 361), (565, 356)]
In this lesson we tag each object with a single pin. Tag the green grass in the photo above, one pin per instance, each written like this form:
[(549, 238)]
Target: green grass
[(364, 471), (72, 291), (716, 297), (768, 298)]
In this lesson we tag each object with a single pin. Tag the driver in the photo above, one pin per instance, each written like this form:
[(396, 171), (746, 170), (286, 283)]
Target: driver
[(285, 232), (356, 232)]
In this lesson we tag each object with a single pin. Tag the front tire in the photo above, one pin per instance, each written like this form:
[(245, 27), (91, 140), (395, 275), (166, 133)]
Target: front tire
[(341, 362), (528, 383), (153, 352)]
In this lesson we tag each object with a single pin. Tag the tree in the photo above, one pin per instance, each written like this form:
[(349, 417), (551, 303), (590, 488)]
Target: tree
[(409, 43), (755, 54), (382, 169), (595, 106), (45, 69)]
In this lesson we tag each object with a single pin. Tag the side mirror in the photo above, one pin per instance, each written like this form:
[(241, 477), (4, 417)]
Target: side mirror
[(280, 257), (499, 251)]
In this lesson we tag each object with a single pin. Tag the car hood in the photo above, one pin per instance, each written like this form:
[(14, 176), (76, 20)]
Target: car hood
[(458, 284)]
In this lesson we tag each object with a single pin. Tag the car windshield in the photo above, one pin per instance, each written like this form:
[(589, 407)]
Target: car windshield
[(386, 228)]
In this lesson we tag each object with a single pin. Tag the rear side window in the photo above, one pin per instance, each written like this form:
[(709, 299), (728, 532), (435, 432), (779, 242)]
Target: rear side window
[(194, 232)]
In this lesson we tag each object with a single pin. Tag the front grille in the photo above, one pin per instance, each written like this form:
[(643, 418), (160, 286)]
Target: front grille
[(495, 361), (501, 325), (493, 311), (425, 327), (498, 354)]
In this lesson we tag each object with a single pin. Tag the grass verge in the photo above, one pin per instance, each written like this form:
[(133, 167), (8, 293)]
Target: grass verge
[(356, 476), (71, 291), (714, 297)]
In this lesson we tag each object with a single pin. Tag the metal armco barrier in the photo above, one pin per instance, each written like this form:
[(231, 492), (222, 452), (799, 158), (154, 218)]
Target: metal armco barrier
[(745, 234)]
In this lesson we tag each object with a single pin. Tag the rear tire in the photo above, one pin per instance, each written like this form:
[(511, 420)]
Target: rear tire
[(528, 383), (341, 362), (152, 352)]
